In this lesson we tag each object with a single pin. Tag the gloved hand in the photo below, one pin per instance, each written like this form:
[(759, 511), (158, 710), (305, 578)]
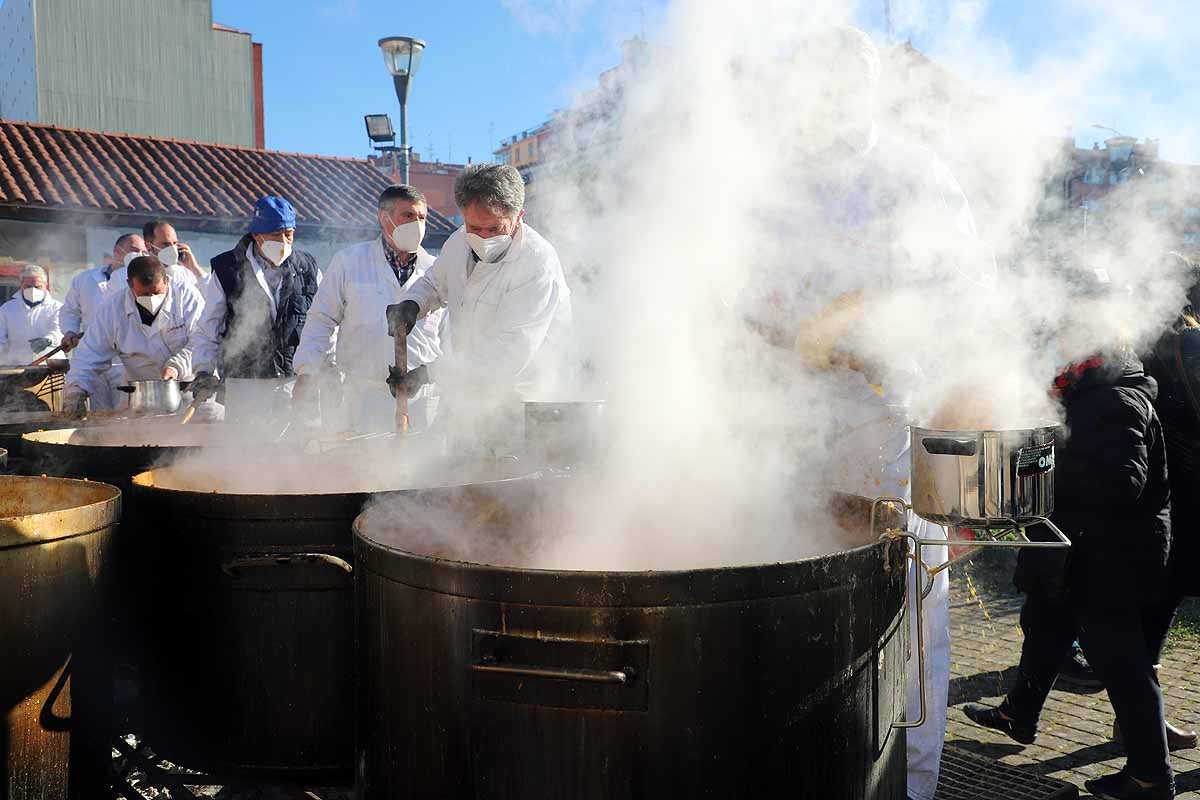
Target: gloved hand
[(412, 382), (71, 341), (404, 313), (40, 344), (75, 405), (204, 386)]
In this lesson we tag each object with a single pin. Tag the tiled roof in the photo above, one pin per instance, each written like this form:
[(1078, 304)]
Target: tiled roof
[(63, 172)]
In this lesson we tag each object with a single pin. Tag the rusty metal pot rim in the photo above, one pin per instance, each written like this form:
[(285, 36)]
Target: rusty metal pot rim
[(101, 509)]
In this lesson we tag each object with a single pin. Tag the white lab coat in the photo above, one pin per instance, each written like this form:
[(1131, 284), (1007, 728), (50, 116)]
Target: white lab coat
[(351, 308), (20, 322), (500, 314), (87, 292), (84, 298), (144, 351)]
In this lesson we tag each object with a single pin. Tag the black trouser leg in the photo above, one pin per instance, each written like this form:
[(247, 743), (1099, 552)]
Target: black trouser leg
[(1115, 644), (1049, 629), (1157, 620)]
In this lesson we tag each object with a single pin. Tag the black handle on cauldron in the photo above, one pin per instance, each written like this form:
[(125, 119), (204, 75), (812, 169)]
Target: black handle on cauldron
[(619, 676), (941, 446), (230, 568)]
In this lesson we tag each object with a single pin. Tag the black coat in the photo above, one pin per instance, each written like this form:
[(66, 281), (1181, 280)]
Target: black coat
[(1175, 364), (252, 345), (1112, 494)]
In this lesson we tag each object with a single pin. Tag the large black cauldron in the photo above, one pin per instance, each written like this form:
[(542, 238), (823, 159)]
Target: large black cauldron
[(249, 668), (483, 681)]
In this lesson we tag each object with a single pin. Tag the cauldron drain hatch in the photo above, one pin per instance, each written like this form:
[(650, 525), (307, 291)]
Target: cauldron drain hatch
[(966, 776)]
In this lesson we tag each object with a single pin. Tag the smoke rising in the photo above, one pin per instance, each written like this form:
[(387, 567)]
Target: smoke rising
[(774, 229), (767, 235)]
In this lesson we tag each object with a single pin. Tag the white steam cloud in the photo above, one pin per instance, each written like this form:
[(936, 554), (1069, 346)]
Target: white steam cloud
[(760, 236)]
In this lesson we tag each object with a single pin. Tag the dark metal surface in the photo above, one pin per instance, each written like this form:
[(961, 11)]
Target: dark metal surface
[(13, 425), (83, 453), (250, 662), (489, 682), (966, 776), (55, 538)]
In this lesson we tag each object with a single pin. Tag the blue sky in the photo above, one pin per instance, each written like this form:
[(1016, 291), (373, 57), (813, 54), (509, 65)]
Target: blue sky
[(493, 69)]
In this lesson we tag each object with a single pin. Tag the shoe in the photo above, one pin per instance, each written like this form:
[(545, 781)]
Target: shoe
[(1122, 787), (1079, 671), (990, 717), (1177, 738)]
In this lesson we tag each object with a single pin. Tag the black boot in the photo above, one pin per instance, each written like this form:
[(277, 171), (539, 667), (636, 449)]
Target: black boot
[(1122, 787), (988, 717)]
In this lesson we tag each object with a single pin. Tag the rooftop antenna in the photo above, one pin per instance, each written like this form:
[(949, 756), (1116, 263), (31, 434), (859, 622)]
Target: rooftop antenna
[(887, 20), (449, 147), (491, 137), (642, 23)]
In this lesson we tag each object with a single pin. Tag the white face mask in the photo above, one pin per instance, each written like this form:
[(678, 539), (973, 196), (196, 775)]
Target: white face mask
[(129, 257), (276, 252), (169, 255), (151, 302), (33, 294), (407, 237), (489, 250)]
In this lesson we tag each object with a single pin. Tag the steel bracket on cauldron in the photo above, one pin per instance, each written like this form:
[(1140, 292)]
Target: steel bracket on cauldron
[(993, 482)]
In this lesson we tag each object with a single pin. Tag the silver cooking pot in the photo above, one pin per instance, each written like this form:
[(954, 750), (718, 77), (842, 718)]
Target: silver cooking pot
[(563, 434), (983, 479), (153, 397)]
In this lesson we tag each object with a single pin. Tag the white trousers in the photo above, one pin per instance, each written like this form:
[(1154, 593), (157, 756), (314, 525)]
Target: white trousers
[(925, 743)]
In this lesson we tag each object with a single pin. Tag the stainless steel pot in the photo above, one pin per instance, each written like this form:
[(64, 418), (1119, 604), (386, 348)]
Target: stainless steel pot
[(563, 434), (983, 479), (154, 397)]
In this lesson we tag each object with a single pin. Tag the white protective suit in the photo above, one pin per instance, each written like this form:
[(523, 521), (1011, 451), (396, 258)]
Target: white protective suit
[(500, 317), (84, 298), (117, 333), (351, 307), (501, 313), (889, 214), (20, 322)]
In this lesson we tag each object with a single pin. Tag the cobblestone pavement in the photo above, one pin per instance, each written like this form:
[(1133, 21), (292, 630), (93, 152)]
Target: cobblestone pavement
[(1073, 736)]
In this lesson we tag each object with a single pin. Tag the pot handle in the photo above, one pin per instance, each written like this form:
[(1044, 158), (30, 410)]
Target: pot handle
[(945, 446), (915, 596), (619, 676), (231, 567), (557, 672)]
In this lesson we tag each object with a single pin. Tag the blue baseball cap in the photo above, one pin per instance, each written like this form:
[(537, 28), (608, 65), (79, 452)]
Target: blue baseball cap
[(272, 214)]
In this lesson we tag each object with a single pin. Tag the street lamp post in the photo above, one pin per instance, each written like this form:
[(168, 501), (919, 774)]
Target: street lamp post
[(402, 56)]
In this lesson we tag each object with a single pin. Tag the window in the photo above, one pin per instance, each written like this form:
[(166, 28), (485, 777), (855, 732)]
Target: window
[(1191, 212), (1191, 238)]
